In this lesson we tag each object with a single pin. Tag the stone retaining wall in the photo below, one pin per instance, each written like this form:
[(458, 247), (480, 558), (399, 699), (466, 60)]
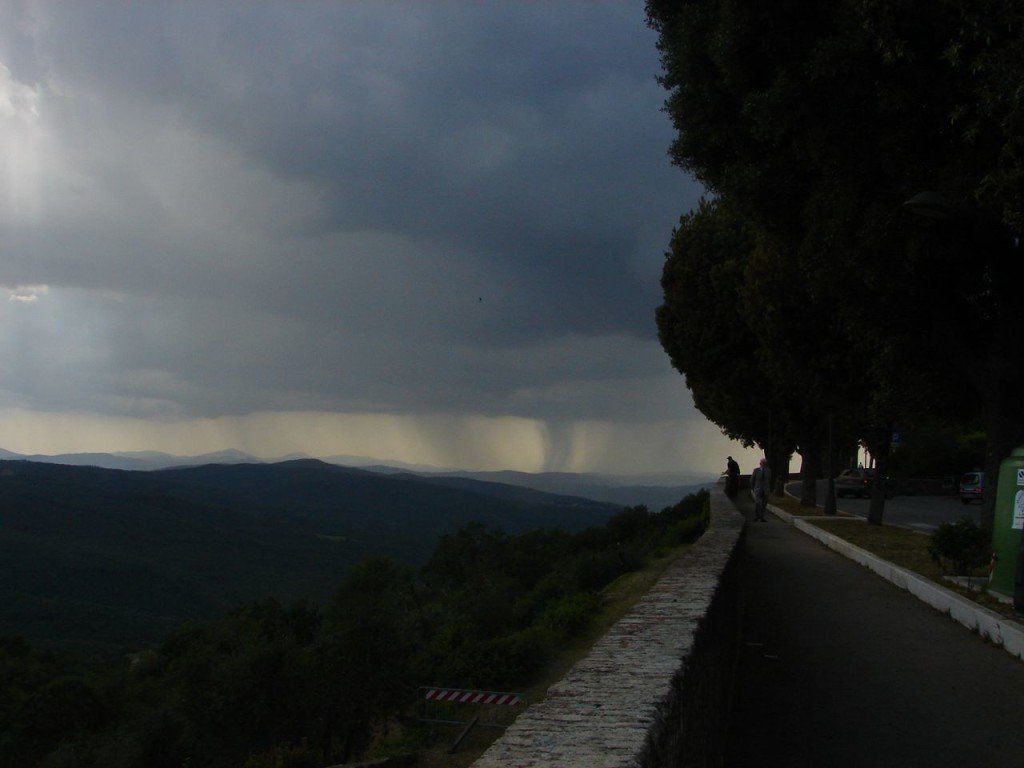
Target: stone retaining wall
[(654, 691)]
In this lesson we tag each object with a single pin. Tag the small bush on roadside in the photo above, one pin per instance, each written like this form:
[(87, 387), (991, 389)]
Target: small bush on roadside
[(962, 546)]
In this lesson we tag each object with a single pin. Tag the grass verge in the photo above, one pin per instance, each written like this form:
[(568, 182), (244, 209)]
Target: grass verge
[(792, 506), (904, 547)]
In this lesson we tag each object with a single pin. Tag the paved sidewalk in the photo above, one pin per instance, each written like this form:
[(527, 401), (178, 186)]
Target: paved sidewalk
[(841, 668)]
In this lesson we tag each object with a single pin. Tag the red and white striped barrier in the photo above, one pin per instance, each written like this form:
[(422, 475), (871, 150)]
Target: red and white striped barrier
[(459, 696)]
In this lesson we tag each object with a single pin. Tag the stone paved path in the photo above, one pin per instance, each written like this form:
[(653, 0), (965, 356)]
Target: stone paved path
[(840, 668)]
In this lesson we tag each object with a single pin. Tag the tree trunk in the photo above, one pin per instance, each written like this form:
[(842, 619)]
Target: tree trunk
[(778, 460), (881, 453), (831, 462), (810, 471)]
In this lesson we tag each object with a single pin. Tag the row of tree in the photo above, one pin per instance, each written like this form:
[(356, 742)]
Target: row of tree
[(805, 303), (275, 686)]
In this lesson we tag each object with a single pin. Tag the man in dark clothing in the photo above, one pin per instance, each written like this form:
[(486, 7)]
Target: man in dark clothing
[(732, 477)]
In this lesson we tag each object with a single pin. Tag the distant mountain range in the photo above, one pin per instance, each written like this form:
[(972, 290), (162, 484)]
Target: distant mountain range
[(650, 491), (107, 560), (655, 491), (141, 461)]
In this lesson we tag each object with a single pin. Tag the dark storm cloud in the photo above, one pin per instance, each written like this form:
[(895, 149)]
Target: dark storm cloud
[(524, 132), (352, 205)]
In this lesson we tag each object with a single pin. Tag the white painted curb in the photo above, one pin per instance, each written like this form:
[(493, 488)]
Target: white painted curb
[(988, 624)]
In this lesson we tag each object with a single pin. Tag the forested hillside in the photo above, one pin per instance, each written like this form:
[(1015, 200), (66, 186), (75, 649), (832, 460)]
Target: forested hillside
[(290, 685), (104, 561)]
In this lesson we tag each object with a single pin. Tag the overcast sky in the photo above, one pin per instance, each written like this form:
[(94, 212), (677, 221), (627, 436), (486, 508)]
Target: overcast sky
[(429, 232)]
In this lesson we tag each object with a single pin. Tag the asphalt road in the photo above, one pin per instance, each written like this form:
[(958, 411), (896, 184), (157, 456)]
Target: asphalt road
[(840, 668), (922, 512)]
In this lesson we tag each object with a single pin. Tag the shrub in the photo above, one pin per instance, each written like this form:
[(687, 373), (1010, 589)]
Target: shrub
[(515, 659), (694, 505), (591, 571), (630, 524), (685, 531), (572, 614), (686, 521), (963, 545)]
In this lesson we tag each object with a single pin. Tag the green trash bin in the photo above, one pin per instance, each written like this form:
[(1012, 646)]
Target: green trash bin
[(1008, 525)]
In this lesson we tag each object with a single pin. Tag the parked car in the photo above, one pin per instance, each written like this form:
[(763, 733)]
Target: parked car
[(855, 482), (972, 487)]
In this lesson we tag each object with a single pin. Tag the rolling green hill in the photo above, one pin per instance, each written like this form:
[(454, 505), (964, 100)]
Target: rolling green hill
[(105, 561)]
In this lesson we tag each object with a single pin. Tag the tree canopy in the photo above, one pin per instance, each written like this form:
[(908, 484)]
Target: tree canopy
[(813, 125)]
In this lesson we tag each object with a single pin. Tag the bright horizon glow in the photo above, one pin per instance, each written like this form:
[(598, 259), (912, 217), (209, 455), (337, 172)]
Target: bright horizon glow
[(444, 441)]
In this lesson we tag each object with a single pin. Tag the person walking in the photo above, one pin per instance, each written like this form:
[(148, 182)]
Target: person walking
[(732, 477), (760, 483)]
